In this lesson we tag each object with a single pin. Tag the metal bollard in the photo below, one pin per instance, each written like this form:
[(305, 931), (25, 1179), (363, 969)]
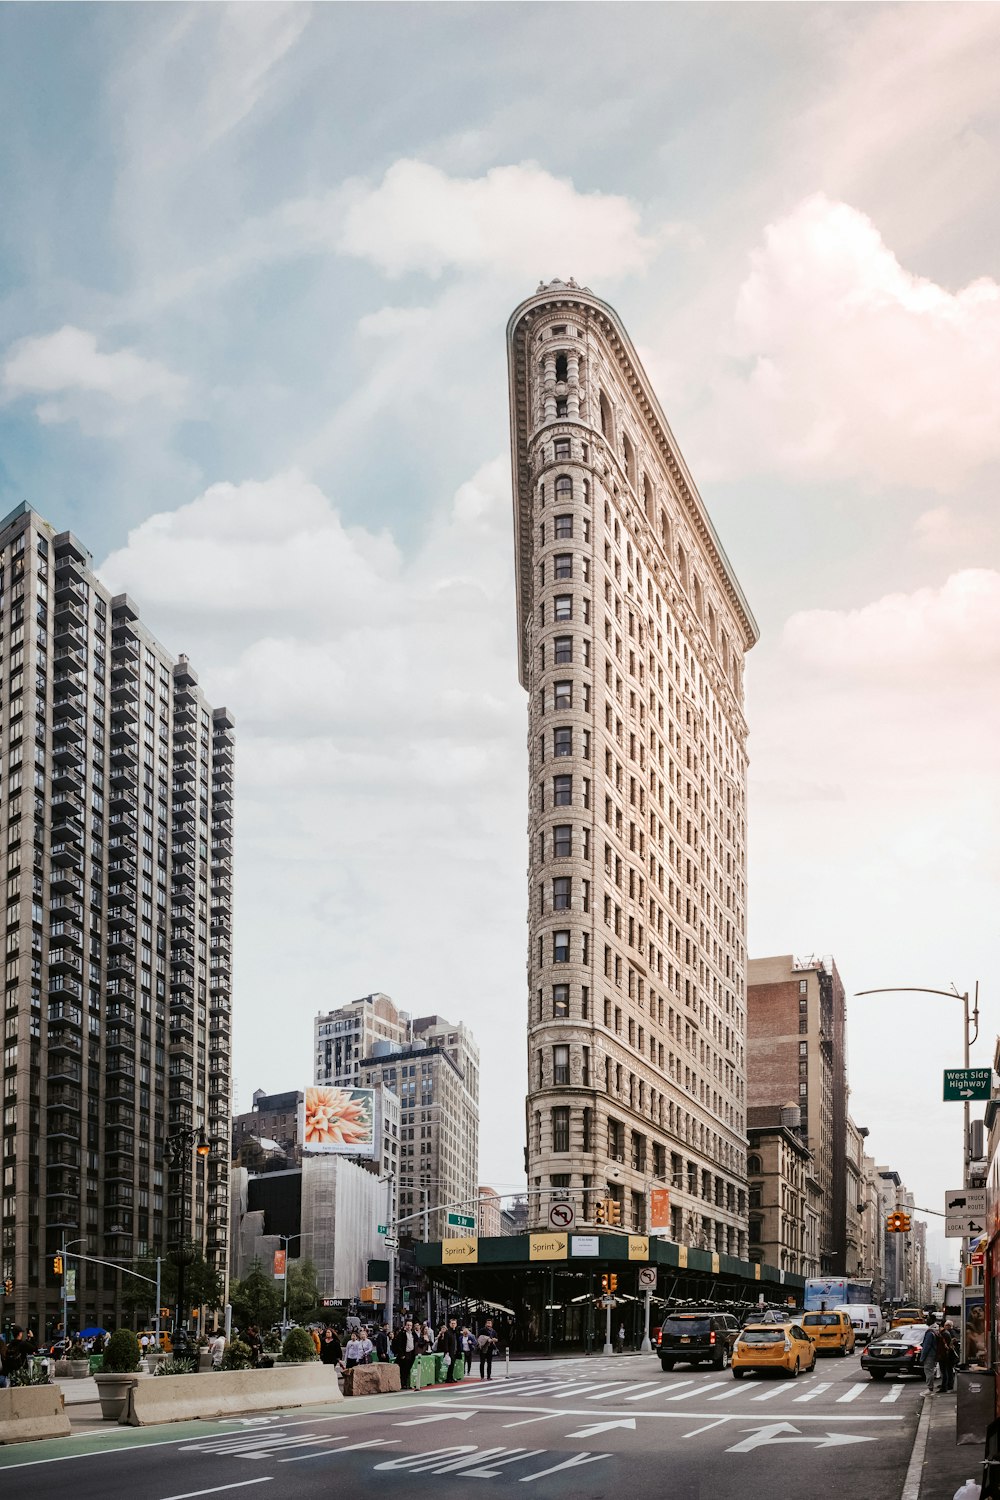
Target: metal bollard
[(506, 1372)]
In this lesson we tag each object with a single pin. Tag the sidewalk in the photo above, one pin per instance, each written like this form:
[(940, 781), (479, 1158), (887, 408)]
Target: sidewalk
[(946, 1465)]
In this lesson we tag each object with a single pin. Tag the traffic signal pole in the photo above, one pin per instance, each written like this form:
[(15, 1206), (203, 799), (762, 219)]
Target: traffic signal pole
[(608, 1346)]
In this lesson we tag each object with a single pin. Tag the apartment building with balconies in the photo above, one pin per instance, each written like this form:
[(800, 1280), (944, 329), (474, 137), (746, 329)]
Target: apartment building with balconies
[(631, 630), (116, 827)]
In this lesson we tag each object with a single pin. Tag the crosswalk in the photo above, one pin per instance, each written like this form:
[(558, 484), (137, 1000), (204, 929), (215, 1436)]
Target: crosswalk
[(672, 1394)]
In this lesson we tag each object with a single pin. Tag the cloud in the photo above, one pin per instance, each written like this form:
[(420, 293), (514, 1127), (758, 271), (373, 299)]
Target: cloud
[(514, 219), (69, 363), (846, 364), (931, 633)]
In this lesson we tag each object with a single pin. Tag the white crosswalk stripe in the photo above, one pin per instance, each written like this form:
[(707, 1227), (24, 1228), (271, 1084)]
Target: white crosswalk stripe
[(817, 1390), (853, 1393), (894, 1394)]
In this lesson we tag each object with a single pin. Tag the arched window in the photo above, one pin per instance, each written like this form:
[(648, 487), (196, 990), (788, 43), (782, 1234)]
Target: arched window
[(607, 424), (753, 1165), (648, 499), (699, 601), (665, 531), (561, 370), (564, 490), (682, 566), (628, 452)]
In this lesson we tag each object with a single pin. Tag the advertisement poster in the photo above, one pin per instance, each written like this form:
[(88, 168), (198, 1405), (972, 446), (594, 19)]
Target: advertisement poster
[(659, 1211), (339, 1122), (279, 1264)]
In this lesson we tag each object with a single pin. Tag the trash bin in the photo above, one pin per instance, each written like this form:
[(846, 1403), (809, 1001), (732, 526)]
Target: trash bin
[(974, 1404)]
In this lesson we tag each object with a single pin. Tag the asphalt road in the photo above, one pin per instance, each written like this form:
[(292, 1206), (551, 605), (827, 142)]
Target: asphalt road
[(580, 1429)]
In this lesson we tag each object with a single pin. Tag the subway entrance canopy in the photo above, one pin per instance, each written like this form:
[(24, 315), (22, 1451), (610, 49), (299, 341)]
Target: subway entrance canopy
[(552, 1281)]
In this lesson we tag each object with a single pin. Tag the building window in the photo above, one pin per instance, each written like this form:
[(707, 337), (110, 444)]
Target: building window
[(562, 363), (563, 649), (563, 695), (560, 1128), (563, 528), (560, 946), (560, 1064), (560, 1001), (561, 444), (562, 840), (803, 986), (753, 1166), (563, 565), (562, 741), (803, 1049), (564, 490), (562, 791), (562, 891), (562, 607)]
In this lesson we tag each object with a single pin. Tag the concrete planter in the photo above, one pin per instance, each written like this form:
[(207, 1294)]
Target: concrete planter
[(79, 1369), (204, 1361), (113, 1391)]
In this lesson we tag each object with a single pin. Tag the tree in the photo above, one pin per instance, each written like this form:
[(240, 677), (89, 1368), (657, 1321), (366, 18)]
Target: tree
[(203, 1284), (255, 1299), (303, 1292)]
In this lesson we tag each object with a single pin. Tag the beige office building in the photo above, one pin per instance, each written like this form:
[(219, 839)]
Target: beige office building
[(632, 629)]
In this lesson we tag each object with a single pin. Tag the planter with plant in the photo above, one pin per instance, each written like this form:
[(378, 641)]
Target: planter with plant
[(298, 1348), (175, 1367), (238, 1356), (79, 1361), (119, 1374)]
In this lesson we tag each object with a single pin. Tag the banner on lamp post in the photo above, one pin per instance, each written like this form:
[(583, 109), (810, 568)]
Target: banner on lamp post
[(659, 1210), (279, 1264)]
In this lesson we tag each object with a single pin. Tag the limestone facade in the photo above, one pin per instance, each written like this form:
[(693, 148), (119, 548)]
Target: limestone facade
[(631, 634)]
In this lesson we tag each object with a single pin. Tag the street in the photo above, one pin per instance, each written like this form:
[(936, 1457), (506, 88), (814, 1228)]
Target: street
[(586, 1428)]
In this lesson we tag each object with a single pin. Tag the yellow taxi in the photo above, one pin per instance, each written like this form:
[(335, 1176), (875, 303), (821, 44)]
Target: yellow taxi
[(831, 1332), (165, 1341), (773, 1346), (901, 1317)]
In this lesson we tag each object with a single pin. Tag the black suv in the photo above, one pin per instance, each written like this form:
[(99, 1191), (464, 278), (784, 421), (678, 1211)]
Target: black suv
[(697, 1338)]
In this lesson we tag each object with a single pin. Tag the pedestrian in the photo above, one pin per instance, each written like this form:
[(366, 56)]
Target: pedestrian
[(218, 1348), (355, 1354), (487, 1348), (144, 1345), (928, 1354), (314, 1332), (450, 1348), (404, 1347), (15, 1355), (621, 1338), (947, 1354), (367, 1345), (330, 1350), (382, 1343), (255, 1344)]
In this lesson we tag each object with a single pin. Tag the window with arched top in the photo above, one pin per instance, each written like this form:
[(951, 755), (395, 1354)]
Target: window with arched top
[(699, 599), (682, 566), (665, 531), (628, 453), (562, 372), (564, 490), (607, 423), (753, 1165), (648, 499)]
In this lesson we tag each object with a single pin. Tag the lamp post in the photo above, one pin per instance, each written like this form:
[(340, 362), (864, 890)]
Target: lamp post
[(286, 1240), (646, 1346), (179, 1148), (66, 1247)]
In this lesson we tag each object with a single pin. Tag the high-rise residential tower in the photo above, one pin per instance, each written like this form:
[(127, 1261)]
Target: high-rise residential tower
[(632, 629), (116, 830)]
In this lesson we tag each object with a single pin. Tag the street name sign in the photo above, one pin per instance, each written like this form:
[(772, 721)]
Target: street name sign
[(383, 1229), (959, 1201), (968, 1083), (462, 1221)]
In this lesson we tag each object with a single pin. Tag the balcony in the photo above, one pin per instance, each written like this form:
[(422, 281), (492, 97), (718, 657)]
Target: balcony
[(68, 685), (122, 940), (64, 905), (123, 778), (122, 894), (124, 757), (62, 1212), (182, 917), (69, 735), (69, 614), (120, 1088), (181, 1028), (65, 989), (67, 778), (122, 801), (64, 1067), (222, 791), (68, 710), (69, 853), (122, 964), (63, 961)]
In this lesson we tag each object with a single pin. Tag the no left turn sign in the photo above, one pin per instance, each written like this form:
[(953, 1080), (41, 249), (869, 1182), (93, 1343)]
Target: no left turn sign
[(562, 1216)]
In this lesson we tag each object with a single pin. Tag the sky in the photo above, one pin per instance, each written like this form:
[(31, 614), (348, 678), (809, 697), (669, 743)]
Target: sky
[(256, 263)]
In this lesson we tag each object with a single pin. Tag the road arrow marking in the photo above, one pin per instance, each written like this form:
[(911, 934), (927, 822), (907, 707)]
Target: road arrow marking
[(602, 1427), (772, 1433), (441, 1416)]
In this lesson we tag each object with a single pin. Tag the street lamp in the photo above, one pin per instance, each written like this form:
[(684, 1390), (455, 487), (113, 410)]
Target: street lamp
[(179, 1147), (65, 1247), (286, 1240)]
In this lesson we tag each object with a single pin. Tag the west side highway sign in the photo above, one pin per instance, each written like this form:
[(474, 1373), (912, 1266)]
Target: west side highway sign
[(968, 1083)]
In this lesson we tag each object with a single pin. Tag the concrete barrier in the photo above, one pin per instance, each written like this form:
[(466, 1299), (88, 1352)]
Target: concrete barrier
[(182, 1398), (32, 1411), (371, 1380)]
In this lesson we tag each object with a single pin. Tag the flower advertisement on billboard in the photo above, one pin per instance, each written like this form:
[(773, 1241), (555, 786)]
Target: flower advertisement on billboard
[(339, 1122)]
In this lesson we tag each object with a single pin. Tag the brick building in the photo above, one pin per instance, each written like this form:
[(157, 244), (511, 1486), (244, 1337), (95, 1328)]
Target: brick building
[(796, 1051)]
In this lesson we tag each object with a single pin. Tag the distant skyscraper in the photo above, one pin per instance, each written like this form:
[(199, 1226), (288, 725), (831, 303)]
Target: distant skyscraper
[(631, 633), (116, 822)]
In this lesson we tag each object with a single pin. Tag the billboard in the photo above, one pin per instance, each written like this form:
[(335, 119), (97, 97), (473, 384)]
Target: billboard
[(339, 1122), (659, 1210)]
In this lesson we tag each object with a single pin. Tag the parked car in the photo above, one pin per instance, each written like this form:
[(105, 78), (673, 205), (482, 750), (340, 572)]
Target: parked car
[(773, 1346), (896, 1352), (697, 1338), (831, 1332)]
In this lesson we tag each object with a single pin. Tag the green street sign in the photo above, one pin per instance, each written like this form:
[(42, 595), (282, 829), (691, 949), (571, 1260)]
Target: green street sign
[(462, 1221), (383, 1229), (968, 1083)]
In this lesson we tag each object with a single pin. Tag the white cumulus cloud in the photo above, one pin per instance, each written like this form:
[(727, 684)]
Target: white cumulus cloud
[(518, 219), (69, 362), (846, 363)]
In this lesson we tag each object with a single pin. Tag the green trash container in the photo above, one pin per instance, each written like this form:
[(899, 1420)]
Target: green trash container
[(96, 1362)]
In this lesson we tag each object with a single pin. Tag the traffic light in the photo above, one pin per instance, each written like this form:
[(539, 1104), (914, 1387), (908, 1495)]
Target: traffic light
[(600, 1212), (904, 1223), (614, 1211), (609, 1284), (8, 1286), (57, 1265), (897, 1223)]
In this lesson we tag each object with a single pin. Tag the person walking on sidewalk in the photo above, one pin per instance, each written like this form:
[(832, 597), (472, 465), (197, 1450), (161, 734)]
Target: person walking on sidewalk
[(947, 1354), (928, 1354), (448, 1344), (487, 1348), (621, 1338)]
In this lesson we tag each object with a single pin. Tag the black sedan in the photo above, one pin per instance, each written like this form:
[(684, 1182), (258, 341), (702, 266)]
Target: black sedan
[(895, 1353)]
